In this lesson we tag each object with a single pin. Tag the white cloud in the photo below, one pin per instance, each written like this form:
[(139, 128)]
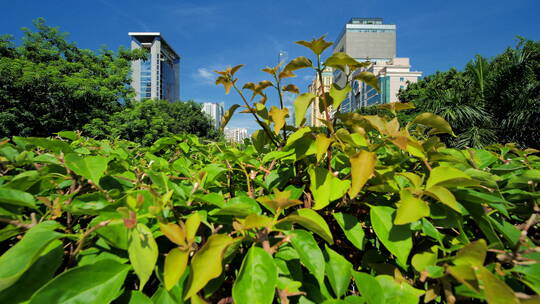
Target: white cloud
[(205, 75)]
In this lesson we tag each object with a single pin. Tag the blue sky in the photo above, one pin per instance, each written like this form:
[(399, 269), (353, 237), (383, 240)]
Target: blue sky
[(209, 35)]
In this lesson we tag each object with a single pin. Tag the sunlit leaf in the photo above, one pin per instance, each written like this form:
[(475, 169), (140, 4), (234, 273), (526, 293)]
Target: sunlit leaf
[(441, 175), (472, 254), (316, 45), (257, 279), (410, 209), (338, 271), (90, 167), (369, 79), (206, 263), (439, 124), (291, 88), (228, 115), (322, 143), (175, 265), (362, 168), (351, 228), (174, 233), (444, 196), (298, 63), (301, 104), (396, 238), (143, 252), (312, 221), (192, 225), (278, 117), (326, 187), (339, 95)]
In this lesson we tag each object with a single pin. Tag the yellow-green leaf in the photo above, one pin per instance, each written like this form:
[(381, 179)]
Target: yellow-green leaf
[(192, 225), (206, 263), (322, 143), (410, 209), (362, 168), (496, 291), (298, 63), (369, 79), (439, 124), (143, 252), (311, 220), (278, 117), (301, 104), (174, 233), (316, 45), (440, 175), (228, 115), (326, 187), (175, 265), (280, 200), (472, 254), (338, 95), (424, 259), (444, 196)]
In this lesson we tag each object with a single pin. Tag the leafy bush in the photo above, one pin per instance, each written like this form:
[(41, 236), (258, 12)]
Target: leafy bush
[(364, 210), (146, 121)]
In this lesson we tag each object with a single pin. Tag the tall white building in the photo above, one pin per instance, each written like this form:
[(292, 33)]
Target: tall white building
[(157, 77), (215, 111), (236, 134)]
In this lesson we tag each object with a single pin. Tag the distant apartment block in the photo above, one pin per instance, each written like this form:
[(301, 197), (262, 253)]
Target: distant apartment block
[(215, 111), (236, 134), (315, 88), (157, 77), (393, 75)]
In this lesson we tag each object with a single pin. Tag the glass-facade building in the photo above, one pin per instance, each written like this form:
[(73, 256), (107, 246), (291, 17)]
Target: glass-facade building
[(157, 77)]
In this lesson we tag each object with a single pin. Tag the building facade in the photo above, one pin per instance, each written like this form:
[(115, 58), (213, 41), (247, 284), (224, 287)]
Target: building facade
[(215, 111), (315, 88), (393, 75), (157, 77), (365, 39), (236, 135)]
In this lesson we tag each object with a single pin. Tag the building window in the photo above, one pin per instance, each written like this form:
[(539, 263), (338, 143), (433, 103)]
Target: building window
[(402, 79), (401, 87)]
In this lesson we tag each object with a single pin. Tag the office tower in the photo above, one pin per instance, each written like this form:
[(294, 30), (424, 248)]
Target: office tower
[(215, 111), (158, 77), (236, 135), (315, 88), (393, 75)]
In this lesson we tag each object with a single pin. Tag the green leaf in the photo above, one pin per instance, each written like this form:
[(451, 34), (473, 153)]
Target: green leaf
[(338, 271), (369, 79), (446, 197), (228, 115), (206, 263), (472, 254), (18, 259), (340, 59), (256, 282), (192, 225), (240, 206), (362, 168), (421, 261), (17, 198), (95, 283), (338, 95), (369, 288), (441, 175), (439, 124), (496, 291), (36, 276), (278, 117), (298, 63), (310, 254), (401, 292), (326, 187), (396, 238), (352, 229), (322, 143), (410, 209), (298, 134), (90, 167), (143, 252), (312, 221), (137, 297), (301, 104), (175, 265)]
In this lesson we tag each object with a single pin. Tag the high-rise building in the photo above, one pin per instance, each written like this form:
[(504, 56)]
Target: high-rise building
[(157, 77), (215, 111), (393, 75), (369, 39), (236, 134), (315, 88), (365, 39)]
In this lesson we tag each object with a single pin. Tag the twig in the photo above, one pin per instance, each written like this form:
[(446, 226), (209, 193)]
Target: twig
[(16, 223), (80, 243)]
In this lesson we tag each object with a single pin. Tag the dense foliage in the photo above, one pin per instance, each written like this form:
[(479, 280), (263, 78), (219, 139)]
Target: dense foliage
[(365, 210), (490, 101), (48, 84), (146, 121)]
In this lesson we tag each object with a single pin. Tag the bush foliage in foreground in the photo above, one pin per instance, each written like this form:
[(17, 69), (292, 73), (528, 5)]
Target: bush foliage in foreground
[(362, 211)]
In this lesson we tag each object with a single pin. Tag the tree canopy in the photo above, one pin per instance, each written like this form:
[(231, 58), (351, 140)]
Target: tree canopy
[(491, 100), (48, 84)]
